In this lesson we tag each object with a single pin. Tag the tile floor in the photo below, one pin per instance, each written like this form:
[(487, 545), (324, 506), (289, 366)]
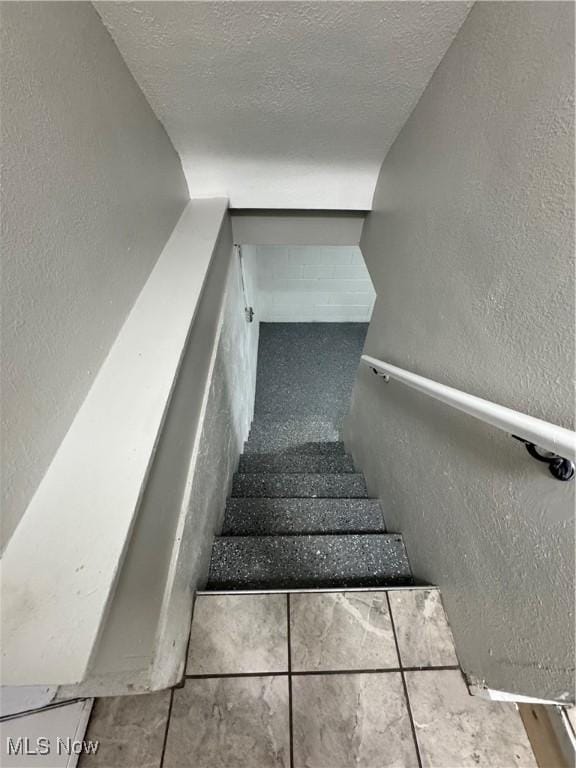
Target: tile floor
[(314, 680)]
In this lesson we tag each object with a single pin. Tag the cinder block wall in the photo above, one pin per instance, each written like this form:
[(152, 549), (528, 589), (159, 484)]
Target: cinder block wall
[(310, 283)]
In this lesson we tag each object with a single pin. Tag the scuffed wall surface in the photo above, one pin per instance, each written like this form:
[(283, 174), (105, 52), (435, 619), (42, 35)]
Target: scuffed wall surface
[(91, 189), (229, 408), (283, 105), (225, 423), (470, 247)]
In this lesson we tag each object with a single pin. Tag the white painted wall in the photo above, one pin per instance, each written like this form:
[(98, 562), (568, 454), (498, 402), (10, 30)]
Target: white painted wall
[(310, 284), (283, 105), (471, 249), (293, 227), (91, 189)]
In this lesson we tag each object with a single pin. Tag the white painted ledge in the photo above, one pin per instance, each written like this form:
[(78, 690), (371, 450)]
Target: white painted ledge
[(60, 568)]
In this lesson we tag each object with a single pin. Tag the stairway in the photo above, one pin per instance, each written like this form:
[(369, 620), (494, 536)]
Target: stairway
[(299, 515)]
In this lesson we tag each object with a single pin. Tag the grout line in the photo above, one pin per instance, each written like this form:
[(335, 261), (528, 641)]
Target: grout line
[(165, 742), (317, 672), (371, 670), (225, 675), (402, 675), (181, 684), (308, 672), (290, 711), (439, 668)]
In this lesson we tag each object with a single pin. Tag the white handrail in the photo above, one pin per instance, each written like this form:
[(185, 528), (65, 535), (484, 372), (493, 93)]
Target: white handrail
[(543, 434)]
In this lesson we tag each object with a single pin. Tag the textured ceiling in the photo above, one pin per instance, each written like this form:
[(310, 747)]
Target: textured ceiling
[(283, 104)]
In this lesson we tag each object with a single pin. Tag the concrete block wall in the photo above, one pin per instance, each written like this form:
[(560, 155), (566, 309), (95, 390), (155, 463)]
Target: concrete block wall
[(310, 283)]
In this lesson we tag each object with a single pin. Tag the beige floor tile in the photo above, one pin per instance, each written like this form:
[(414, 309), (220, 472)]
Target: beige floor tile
[(232, 634), (456, 730), (240, 722), (341, 630), (130, 730), (424, 637), (351, 721)]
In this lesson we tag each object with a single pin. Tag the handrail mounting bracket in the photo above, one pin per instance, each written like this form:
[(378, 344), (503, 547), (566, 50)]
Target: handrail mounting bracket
[(384, 376), (560, 468)]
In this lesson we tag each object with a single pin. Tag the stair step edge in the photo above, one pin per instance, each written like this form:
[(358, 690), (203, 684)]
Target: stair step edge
[(417, 585), (295, 516), (294, 485), (309, 561), (303, 464)]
